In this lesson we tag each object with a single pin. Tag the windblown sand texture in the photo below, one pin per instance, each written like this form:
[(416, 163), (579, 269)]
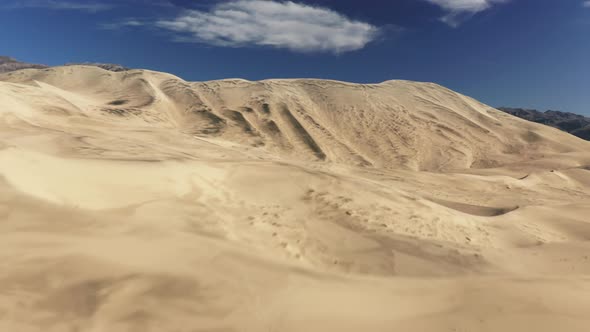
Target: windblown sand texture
[(136, 201)]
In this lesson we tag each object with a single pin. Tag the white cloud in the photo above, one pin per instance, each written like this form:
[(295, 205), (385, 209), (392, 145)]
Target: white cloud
[(458, 10), (473, 6), (586, 4), (287, 25), (122, 24), (91, 7)]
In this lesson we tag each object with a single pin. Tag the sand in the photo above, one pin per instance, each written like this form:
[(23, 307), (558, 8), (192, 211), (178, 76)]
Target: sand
[(136, 201)]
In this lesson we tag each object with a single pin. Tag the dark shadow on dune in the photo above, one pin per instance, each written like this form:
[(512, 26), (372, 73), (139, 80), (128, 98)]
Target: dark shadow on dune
[(476, 210), (302, 133), (118, 102)]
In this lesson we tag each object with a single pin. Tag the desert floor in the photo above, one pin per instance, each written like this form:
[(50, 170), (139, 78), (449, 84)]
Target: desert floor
[(136, 201)]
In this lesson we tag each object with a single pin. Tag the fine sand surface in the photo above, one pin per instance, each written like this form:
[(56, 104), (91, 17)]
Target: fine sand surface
[(136, 201)]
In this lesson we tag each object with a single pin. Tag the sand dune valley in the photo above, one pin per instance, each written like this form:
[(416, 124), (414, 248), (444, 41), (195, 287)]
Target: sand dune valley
[(137, 201)]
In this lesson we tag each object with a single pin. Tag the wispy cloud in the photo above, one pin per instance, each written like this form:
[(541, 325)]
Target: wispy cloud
[(586, 4), (91, 7), (122, 24), (459, 10), (286, 25)]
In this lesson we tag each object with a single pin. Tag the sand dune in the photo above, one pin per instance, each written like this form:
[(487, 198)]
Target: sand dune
[(136, 201)]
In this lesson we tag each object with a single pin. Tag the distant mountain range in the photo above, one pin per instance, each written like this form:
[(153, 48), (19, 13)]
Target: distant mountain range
[(574, 124), (10, 64)]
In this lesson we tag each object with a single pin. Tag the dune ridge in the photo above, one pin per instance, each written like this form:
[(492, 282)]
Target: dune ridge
[(137, 201)]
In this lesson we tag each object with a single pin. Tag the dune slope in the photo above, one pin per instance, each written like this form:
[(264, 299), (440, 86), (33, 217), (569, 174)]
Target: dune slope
[(136, 201)]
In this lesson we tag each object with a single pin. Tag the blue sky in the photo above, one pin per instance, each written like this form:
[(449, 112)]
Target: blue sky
[(521, 53)]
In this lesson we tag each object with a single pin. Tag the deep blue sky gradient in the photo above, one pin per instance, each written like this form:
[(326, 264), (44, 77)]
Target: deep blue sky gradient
[(524, 53)]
